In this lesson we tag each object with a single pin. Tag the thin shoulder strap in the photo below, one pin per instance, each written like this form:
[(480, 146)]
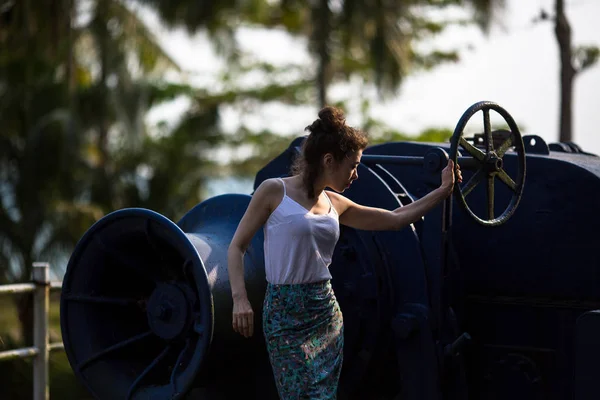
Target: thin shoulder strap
[(328, 199), (330, 203), (283, 183)]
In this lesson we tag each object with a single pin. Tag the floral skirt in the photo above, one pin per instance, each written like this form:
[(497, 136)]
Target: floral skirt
[(304, 332)]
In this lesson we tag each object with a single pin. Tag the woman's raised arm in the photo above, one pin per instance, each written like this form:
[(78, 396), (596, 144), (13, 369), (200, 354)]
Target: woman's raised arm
[(378, 219)]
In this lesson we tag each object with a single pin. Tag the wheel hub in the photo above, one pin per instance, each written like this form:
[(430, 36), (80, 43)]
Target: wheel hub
[(168, 311), (493, 163)]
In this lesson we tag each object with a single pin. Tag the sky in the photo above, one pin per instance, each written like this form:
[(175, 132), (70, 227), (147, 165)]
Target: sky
[(516, 65)]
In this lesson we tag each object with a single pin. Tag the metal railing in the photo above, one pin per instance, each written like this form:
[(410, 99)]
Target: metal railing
[(40, 352)]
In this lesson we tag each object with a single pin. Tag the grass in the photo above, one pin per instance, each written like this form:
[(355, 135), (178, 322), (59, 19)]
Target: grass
[(16, 376), (10, 328), (9, 322)]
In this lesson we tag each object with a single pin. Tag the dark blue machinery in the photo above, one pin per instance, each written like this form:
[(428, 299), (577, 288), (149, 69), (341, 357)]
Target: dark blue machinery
[(494, 299)]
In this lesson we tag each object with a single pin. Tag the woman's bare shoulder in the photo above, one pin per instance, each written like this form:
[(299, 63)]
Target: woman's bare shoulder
[(269, 192), (270, 186)]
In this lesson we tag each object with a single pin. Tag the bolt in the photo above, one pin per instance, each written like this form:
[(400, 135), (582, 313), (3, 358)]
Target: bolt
[(163, 312)]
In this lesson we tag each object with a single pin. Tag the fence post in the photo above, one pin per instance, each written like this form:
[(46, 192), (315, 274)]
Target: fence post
[(41, 302)]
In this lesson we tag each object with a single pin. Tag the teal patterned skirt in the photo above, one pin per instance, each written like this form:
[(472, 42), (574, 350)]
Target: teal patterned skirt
[(304, 332)]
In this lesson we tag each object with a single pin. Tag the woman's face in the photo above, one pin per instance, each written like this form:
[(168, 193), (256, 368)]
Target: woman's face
[(341, 174)]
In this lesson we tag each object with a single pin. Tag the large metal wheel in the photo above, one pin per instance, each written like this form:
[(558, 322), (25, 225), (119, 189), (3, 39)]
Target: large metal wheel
[(490, 163), (136, 308)]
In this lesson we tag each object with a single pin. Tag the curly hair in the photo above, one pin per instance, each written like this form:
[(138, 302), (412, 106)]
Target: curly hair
[(328, 134)]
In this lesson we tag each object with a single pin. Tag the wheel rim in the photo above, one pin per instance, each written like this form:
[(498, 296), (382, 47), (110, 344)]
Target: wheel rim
[(148, 296), (490, 163)]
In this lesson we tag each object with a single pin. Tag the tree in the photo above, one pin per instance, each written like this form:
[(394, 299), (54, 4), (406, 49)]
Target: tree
[(379, 41), (573, 61), (38, 196), (67, 131), (116, 100), (374, 39)]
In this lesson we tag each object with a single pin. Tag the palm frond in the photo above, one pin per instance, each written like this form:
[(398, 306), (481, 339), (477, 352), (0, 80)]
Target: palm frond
[(139, 39), (486, 11), (69, 222)]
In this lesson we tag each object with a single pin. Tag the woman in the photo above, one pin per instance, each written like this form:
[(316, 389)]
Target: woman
[(302, 321)]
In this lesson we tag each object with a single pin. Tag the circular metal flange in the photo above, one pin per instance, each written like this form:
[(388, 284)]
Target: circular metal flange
[(490, 163), (136, 308), (168, 311)]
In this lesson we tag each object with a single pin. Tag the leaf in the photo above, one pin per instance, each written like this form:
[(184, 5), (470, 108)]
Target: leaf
[(585, 57), (150, 54)]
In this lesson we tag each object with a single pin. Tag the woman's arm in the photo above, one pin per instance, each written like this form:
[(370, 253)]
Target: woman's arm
[(255, 216), (377, 219)]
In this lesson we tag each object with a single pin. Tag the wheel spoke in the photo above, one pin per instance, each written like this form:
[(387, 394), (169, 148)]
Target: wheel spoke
[(487, 128), (145, 372), (472, 150), (113, 348), (503, 176), (118, 301), (474, 181), (490, 195), (178, 364), (505, 146)]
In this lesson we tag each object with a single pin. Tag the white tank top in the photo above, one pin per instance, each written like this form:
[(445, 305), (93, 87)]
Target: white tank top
[(298, 244)]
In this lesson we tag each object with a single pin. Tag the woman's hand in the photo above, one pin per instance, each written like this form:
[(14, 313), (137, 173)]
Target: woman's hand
[(450, 175), (243, 317)]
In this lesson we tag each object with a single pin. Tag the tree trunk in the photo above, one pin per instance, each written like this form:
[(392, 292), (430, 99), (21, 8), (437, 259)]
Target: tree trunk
[(567, 72), (71, 75), (101, 194)]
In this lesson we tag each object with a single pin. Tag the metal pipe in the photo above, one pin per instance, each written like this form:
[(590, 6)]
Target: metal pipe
[(56, 346), (41, 303), (17, 288), (40, 287), (465, 162), (26, 352), (400, 160)]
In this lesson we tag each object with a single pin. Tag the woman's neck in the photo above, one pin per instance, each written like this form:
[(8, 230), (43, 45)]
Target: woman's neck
[(318, 185)]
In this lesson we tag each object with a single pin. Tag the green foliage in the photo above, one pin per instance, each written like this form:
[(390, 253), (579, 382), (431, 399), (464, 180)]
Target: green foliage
[(54, 111), (262, 147), (265, 145), (166, 173), (296, 93), (585, 57), (381, 133), (352, 37), (16, 376)]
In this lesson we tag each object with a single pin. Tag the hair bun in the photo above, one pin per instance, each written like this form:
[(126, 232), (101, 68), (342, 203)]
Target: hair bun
[(332, 118)]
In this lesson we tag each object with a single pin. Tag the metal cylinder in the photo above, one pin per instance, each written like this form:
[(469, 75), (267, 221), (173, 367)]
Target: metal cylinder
[(147, 306)]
